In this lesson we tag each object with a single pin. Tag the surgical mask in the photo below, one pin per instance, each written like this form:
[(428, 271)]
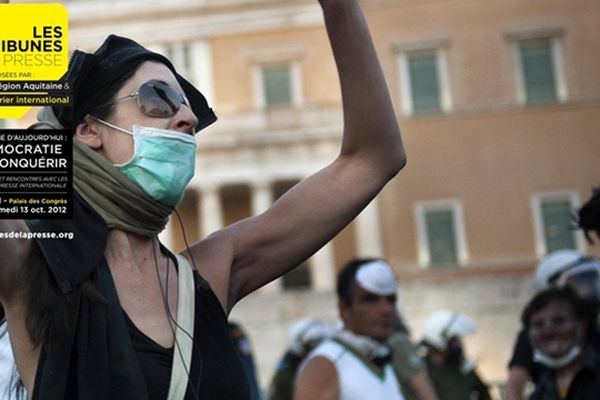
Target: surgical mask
[(163, 162), (557, 362)]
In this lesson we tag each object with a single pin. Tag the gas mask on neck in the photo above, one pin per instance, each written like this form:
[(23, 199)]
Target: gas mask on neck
[(557, 362)]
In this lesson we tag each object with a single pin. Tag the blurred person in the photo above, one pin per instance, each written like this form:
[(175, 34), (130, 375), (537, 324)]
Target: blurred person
[(558, 323), (453, 375), (10, 387), (522, 367), (244, 349), (588, 216), (6, 361), (98, 317), (303, 336), (354, 364), (408, 365), (561, 268)]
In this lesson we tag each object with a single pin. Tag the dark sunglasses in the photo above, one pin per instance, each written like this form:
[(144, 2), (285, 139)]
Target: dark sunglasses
[(156, 99)]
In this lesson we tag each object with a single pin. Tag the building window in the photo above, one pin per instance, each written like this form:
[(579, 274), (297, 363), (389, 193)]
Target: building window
[(539, 66), (424, 83), (538, 71), (277, 76), (441, 234), (439, 225), (277, 85), (558, 233), (297, 279), (179, 53), (553, 216)]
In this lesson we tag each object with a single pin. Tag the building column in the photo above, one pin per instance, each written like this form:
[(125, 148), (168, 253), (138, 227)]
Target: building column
[(262, 197), (368, 232), (211, 211), (166, 236), (322, 269), (159, 48), (177, 57), (201, 73)]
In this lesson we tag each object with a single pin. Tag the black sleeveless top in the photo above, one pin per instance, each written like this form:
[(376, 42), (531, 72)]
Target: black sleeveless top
[(100, 356), (156, 361), (216, 372)]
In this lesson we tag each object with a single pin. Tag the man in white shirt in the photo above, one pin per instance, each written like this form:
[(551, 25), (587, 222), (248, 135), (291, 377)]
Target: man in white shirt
[(355, 363)]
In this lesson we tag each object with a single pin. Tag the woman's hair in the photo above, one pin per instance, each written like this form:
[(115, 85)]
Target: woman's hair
[(583, 311), (47, 317), (104, 105), (588, 216), (46, 307)]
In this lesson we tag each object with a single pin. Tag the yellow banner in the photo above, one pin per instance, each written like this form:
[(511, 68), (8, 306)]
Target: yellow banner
[(33, 49)]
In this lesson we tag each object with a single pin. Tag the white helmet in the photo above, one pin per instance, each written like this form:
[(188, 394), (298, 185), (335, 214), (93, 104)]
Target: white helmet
[(553, 264), (443, 325), (306, 333)]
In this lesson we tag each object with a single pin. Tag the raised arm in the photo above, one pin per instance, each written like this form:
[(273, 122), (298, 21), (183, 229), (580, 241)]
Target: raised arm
[(263, 248), (371, 133)]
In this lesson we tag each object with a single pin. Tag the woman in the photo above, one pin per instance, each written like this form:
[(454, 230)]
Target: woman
[(93, 318)]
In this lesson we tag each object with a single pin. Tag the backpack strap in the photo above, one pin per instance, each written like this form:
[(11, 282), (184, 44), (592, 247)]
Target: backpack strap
[(184, 334)]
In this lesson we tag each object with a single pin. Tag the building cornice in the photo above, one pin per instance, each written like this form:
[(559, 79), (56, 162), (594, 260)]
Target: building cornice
[(149, 21)]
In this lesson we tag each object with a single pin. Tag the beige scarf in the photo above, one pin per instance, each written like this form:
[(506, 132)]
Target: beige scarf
[(119, 201)]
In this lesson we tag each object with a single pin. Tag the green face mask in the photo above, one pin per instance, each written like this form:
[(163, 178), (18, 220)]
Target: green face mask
[(163, 162)]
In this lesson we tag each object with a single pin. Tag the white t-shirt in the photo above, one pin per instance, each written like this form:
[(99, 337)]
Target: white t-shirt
[(357, 379)]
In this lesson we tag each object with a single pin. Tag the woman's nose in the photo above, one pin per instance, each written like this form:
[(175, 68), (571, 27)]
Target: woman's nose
[(185, 120)]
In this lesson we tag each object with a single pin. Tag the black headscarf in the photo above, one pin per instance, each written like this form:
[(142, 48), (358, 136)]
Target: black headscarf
[(90, 75)]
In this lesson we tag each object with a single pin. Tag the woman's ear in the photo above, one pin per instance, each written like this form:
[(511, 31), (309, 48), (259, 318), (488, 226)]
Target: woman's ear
[(87, 133)]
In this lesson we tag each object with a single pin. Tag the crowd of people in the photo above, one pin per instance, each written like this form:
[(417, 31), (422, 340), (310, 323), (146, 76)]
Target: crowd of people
[(114, 315), (556, 355), (370, 355)]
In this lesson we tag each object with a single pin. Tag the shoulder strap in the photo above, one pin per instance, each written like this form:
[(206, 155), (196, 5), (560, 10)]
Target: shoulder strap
[(184, 336)]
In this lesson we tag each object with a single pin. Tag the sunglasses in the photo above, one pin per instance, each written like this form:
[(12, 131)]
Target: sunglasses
[(156, 99)]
